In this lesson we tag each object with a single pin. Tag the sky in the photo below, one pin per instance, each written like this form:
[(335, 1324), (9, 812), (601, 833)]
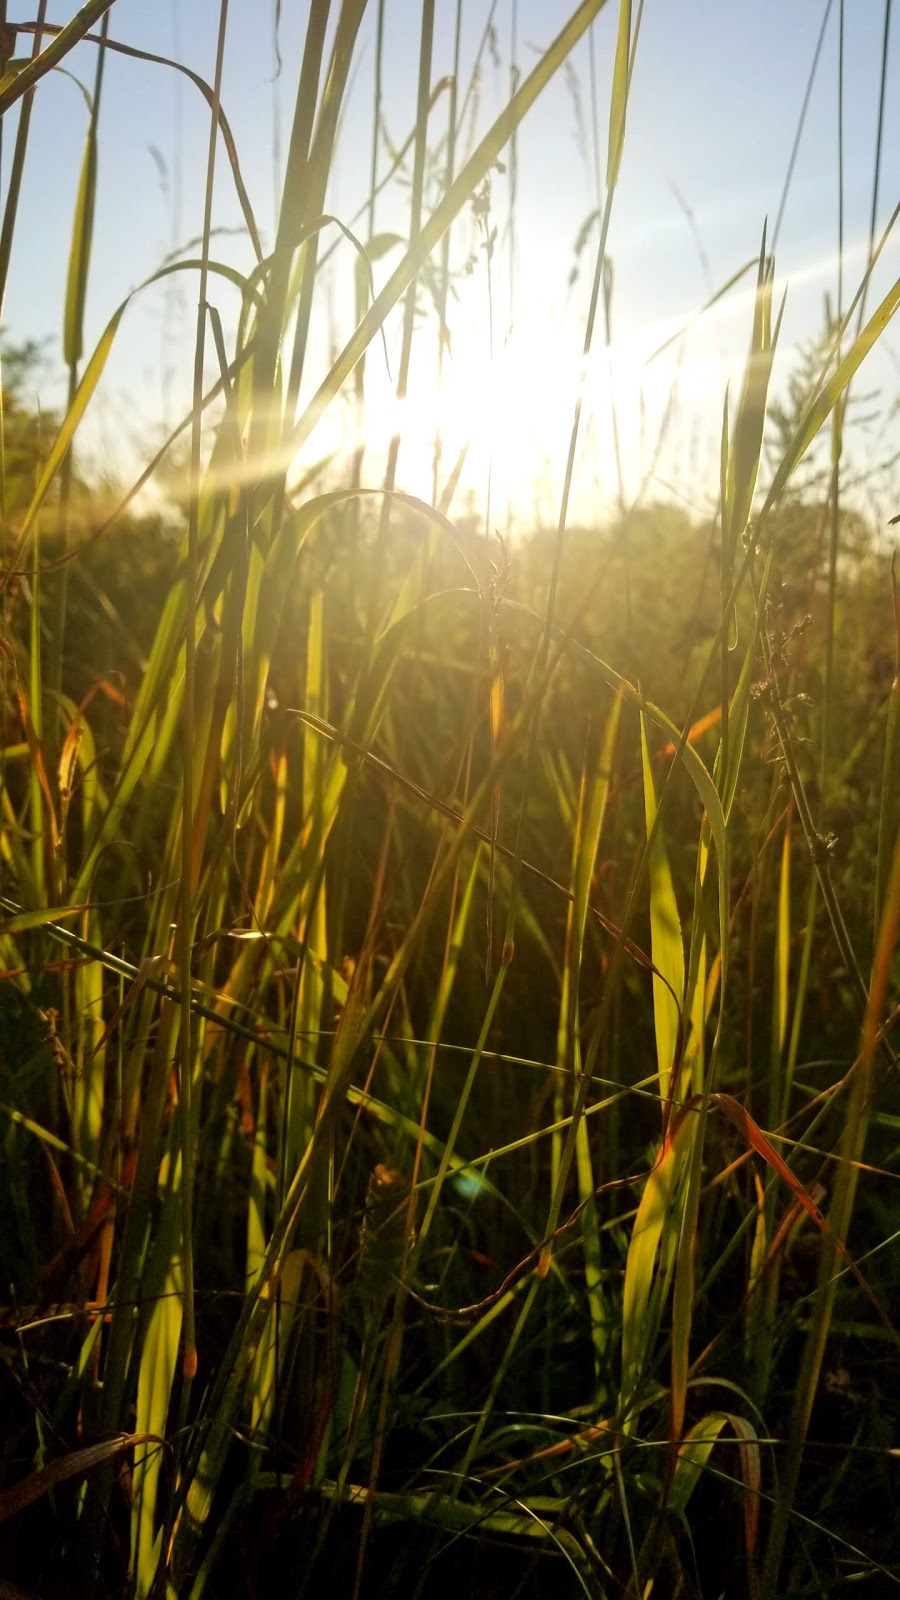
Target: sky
[(716, 97)]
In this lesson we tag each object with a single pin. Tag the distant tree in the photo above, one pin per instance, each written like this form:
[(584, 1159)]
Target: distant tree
[(114, 584)]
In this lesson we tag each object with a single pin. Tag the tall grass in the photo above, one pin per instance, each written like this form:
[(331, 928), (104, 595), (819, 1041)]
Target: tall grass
[(379, 1148)]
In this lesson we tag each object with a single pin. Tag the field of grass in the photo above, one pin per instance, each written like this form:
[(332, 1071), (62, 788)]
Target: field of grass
[(448, 993)]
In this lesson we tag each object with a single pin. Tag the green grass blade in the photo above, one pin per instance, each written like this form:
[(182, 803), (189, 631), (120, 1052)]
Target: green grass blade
[(666, 938), (820, 408), (467, 181), (55, 52), (650, 1235), (618, 103), (80, 249), (889, 811)]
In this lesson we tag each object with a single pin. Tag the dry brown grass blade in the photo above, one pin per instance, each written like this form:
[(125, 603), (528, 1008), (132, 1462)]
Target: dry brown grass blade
[(75, 1465), (753, 1133)]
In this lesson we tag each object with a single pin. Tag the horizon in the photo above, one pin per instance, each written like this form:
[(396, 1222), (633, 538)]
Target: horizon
[(511, 375)]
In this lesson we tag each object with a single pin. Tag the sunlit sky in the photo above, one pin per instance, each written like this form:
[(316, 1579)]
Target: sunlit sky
[(716, 97)]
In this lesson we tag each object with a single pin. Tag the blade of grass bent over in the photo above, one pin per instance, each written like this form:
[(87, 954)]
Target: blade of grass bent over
[(35, 69)]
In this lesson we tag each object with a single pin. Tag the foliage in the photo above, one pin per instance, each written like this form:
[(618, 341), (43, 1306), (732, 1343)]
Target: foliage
[(445, 1039)]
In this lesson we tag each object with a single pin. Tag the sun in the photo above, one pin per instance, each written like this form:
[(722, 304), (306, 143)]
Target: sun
[(505, 413), (508, 415)]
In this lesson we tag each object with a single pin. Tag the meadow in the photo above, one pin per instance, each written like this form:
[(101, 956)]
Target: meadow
[(448, 1053)]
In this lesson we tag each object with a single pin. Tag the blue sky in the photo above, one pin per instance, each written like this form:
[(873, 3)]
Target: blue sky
[(717, 92)]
